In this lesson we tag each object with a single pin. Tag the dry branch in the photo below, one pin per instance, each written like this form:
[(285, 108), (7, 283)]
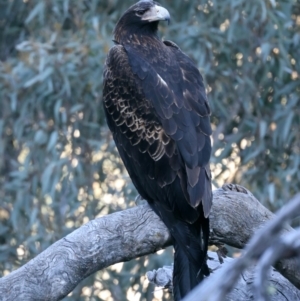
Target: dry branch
[(125, 235)]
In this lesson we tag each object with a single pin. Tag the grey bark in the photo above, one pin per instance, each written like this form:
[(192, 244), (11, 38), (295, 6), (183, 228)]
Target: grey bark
[(125, 235)]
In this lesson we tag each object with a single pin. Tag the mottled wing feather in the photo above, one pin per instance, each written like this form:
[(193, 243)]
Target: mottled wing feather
[(137, 131)]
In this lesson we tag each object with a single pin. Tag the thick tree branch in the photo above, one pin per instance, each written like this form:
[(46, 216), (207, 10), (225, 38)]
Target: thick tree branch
[(54, 273), (125, 235)]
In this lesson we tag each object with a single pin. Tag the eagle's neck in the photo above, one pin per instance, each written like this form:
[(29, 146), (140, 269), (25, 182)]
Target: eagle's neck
[(137, 35)]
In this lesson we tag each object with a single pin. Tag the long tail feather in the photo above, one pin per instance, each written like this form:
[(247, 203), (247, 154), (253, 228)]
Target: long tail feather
[(190, 267), (190, 244)]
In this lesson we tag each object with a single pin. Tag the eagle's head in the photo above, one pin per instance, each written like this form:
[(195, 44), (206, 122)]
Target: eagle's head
[(140, 19)]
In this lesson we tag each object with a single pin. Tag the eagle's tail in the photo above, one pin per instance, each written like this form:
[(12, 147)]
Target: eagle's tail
[(190, 265)]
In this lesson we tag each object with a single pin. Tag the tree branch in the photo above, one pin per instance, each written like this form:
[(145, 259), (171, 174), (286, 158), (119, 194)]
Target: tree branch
[(125, 235), (259, 248), (285, 247), (102, 242), (282, 289)]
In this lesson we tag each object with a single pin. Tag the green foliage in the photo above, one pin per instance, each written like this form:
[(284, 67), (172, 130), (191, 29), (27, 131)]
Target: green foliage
[(58, 165)]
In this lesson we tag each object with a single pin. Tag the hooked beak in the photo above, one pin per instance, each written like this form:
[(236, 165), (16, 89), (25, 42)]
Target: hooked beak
[(156, 13)]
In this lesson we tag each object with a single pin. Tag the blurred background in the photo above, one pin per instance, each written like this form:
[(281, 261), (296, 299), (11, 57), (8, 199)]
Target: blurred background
[(58, 164)]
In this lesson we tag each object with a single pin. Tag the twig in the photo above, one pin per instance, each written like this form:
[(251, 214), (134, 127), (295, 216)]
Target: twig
[(284, 247)]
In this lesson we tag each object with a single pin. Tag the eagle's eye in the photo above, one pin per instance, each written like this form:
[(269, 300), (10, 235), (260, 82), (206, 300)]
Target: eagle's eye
[(140, 12)]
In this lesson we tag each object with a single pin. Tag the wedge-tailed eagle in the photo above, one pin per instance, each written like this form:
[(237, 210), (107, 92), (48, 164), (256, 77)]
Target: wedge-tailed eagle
[(157, 110)]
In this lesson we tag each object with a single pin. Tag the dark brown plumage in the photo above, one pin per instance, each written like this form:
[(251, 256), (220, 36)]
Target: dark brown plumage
[(157, 110)]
